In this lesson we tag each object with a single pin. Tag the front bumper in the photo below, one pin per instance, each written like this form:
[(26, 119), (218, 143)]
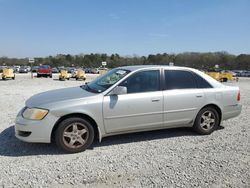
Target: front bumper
[(38, 131), (8, 76)]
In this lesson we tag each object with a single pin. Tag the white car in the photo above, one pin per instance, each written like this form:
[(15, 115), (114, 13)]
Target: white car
[(127, 99)]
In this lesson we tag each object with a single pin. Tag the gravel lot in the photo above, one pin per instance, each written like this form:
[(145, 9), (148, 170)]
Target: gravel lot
[(166, 158)]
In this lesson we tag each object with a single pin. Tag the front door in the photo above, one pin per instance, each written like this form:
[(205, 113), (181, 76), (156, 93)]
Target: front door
[(141, 108)]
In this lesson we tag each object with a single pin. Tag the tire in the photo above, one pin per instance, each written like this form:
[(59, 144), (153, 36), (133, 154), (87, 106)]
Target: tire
[(50, 76), (74, 142), (206, 126), (13, 78), (76, 78), (38, 75), (3, 78)]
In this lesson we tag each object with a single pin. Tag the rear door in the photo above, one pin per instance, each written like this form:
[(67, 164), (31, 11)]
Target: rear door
[(182, 98)]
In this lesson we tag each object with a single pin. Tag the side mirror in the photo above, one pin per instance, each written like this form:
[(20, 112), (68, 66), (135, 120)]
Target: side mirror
[(119, 90)]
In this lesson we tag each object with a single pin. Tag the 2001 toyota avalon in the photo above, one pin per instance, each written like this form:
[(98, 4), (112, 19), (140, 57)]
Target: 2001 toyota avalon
[(127, 99)]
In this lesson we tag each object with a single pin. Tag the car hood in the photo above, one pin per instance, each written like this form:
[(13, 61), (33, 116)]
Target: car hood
[(57, 95)]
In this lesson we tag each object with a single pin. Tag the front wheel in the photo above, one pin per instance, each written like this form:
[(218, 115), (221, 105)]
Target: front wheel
[(74, 135), (206, 121)]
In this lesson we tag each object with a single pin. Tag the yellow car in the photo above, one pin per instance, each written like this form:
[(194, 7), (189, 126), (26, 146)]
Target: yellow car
[(80, 74), (225, 76), (222, 76), (64, 75), (8, 73), (215, 75)]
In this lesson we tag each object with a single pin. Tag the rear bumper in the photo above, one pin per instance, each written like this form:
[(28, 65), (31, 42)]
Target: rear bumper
[(232, 111)]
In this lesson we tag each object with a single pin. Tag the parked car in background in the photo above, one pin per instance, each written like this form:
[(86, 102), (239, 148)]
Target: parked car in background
[(23, 69), (242, 73), (87, 70), (71, 70), (28, 68), (228, 76), (246, 73), (8, 73), (16, 68), (94, 71), (61, 68), (1, 69), (64, 75), (55, 70), (222, 75), (80, 74), (34, 69), (102, 70), (44, 71), (127, 99)]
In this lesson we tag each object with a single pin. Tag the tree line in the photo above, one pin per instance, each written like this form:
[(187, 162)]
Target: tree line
[(197, 60)]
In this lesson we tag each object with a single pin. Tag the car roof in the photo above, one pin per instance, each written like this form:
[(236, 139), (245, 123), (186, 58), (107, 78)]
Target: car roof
[(212, 81), (138, 67)]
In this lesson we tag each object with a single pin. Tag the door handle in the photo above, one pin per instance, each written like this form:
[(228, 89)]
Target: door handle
[(198, 96), (155, 100)]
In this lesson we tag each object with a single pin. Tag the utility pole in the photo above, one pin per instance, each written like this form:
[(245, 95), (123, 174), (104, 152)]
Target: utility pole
[(31, 61)]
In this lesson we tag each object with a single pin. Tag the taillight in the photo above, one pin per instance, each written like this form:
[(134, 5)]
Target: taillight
[(238, 96)]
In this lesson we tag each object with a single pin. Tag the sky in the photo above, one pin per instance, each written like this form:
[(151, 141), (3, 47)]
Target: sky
[(30, 28)]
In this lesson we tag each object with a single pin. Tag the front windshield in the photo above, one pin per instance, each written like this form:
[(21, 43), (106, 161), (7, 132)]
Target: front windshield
[(102, 83)]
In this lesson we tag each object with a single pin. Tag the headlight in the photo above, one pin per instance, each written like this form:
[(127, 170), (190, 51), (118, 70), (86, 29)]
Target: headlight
[(34, 113)]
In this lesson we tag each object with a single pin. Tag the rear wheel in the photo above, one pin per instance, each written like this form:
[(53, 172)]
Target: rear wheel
[(74, 135), (206, 121)]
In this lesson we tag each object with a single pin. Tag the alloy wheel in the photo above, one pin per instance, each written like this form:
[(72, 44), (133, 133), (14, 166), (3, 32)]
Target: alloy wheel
[(207, 120), (75, 135)]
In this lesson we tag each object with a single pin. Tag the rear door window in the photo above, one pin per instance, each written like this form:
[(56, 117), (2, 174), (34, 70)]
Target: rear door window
[(179, 79), (201, 82)]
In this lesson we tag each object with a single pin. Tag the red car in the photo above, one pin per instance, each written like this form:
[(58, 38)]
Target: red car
[(44, 70)]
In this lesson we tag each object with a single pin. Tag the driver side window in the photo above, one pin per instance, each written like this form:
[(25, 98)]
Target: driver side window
[(143, 81)]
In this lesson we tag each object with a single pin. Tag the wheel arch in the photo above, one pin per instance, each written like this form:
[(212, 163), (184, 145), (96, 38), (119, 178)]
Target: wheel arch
[(80, 115), (216, 107)]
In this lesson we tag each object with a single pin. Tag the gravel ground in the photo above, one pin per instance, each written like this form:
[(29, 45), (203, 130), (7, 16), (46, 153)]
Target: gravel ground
[(166, 158)]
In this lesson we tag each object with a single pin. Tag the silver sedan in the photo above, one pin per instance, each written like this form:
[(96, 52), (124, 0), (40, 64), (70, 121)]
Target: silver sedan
[(127, 99)]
